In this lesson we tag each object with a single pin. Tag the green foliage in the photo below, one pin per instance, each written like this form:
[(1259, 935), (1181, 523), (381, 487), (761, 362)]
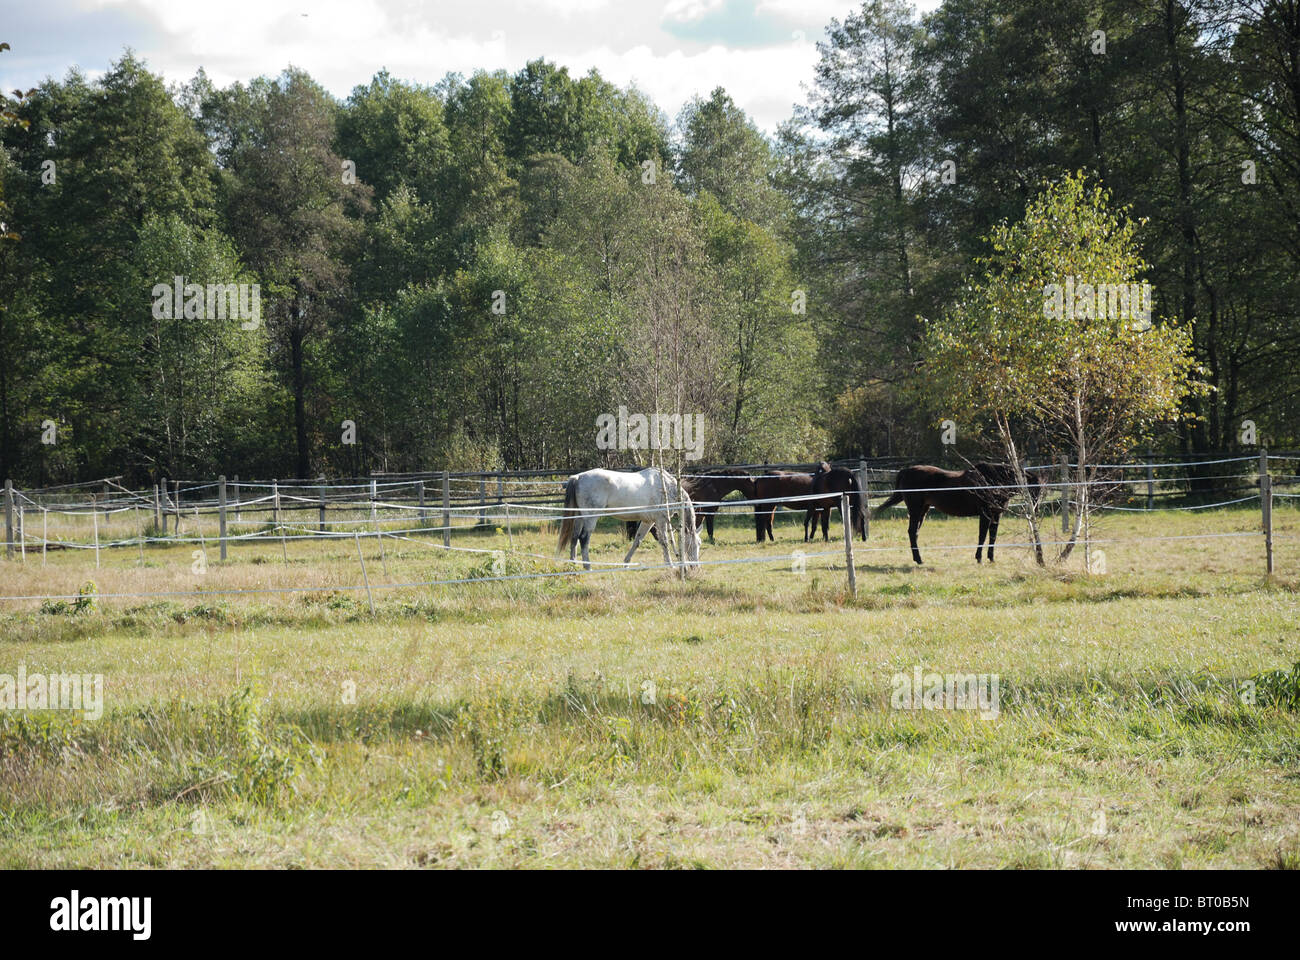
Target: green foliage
[(1279, 688), (258, 765), (1092, 384), (675, 293), (87, 602), (724, 154)]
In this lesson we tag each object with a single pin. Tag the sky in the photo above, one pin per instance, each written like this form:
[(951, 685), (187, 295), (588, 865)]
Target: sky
[(761, 51)]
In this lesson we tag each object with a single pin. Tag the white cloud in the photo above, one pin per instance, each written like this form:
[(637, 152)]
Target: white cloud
[(765, 82), (684, 11), (343, 43)]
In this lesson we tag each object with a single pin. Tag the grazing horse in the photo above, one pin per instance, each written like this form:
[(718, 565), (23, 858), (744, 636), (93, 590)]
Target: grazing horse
[(923, 487), (711, 487), (781, 483), (643, 496), (835, 481), (706, 489)]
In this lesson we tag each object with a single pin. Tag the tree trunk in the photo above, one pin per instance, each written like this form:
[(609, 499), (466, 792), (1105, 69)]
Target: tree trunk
[(296, 337), (1009, 444)]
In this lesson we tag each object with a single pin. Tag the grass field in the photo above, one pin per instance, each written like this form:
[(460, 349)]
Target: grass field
[(627, 719)]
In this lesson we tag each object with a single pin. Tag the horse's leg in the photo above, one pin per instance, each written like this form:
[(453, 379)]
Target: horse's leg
[(984, 529), (708, 523), (993, 532), (586, 541), (663, 541), (913, 525), (826, 524), (767, 522), (758, 522), (809, 515), (636, 541)]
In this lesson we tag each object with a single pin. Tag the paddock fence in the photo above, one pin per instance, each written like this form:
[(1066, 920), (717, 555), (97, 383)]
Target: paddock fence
[(434, 509)]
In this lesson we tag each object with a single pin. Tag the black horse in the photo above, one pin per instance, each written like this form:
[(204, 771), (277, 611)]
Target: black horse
[(712, 486), (834, 481), (982, 491), (781, 483)]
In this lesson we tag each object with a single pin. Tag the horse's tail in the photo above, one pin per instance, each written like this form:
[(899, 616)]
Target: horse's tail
[(901, 481), (570, 502), (857, 502), (894, 498)]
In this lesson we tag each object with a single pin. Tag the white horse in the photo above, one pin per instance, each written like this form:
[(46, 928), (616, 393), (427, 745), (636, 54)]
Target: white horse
[(649, 496)]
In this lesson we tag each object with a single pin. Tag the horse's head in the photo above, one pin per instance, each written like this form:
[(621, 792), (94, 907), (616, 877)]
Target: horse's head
[(742, 480), (1004, 476), (716, 484), (692, 536)]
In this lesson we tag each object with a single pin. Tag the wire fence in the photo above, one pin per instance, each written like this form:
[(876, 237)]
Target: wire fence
[(104, 516)]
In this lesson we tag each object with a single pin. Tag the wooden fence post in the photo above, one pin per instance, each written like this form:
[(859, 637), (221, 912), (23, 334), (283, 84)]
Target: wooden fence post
[(848, 543), (681, 550), (864, 482), (157, 511), (482, 501), (221, 513), (446, 509), (1151, 483), (1266, 506), (374, 495), (177, 505), (9, 519), (22, 534), (420, 493), (364, 576), (203, 541), (45, 535), (237, 498), (320, 524), (275, 507), (94, 513)]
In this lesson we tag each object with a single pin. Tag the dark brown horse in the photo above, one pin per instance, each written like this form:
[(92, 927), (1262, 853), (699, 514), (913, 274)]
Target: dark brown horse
[(781, 483), (834, 481), (982, 491), (712, 486)]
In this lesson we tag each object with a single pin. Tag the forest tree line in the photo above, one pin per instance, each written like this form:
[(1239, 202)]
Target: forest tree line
[(472, 272)]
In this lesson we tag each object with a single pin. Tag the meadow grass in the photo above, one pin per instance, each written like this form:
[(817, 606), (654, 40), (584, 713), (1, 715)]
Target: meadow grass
[(742, 718)]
